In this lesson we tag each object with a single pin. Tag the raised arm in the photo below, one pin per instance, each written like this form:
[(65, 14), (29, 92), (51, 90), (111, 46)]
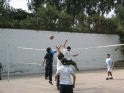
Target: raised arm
[(58, 49), (65, 43)]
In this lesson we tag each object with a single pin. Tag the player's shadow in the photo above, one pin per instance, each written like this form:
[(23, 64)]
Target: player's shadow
[(117, 79), (88, 90)]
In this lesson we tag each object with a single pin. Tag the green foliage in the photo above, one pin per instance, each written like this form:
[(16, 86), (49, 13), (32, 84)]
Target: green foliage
[(57, 18), (74, 7), (47, 17)]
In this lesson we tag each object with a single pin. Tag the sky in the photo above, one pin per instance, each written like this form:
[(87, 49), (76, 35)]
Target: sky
[(19, 4), (23, 5)]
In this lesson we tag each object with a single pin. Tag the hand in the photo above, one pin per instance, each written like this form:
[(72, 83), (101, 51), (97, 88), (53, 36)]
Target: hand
[(55, 77), (60, 45), (57, 47), (105, 66), (73, 85), (42, 64)]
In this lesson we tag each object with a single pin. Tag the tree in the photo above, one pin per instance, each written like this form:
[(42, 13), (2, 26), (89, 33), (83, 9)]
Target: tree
[(74, 7), (33, 5)]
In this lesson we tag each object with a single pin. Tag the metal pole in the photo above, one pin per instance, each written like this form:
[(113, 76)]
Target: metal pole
[(8, 60)]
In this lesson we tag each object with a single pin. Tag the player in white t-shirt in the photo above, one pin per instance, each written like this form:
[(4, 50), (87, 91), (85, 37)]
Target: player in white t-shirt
[(68, 55), (64, 71), (109, 65), (58, 65)]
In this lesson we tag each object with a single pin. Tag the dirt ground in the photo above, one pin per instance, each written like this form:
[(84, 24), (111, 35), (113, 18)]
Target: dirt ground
[(90, 81)]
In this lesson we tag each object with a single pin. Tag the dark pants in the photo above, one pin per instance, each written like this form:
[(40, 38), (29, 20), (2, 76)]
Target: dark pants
[(71, 62), (0, 73), (48, 70), (66, 88), (58, 80)]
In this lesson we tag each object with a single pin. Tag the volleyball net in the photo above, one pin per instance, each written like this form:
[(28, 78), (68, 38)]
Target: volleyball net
[(89, 58)]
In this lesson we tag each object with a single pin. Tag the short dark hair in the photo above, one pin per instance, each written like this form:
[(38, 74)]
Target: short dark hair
[(68, 47), (60, 56), (108, 54), (64, 61), (48, 49)]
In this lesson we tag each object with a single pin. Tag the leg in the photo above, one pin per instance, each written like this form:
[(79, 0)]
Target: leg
[(74, 64), (110, 73), (111, 77), (50, 73), (107, 75), (63, 89), (69, 89), (0, 74), (46, 71)]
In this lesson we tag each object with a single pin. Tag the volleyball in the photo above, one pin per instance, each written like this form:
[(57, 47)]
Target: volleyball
[(51, 37)]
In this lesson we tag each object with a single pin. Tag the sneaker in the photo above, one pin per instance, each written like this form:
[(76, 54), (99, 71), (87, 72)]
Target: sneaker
[(46, 78), (51, 82), (57, 87), (111, 78), (107, 78)]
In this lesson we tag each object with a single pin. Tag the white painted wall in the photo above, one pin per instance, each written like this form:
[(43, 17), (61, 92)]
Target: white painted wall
[(93, 58)]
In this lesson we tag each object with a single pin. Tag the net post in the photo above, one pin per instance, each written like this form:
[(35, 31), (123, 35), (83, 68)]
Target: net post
[(8, 60)]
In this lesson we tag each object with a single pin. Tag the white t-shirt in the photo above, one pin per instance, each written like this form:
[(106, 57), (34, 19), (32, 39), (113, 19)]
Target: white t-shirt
[(67, 54), (65, 72), (59, 64), (108, 62)]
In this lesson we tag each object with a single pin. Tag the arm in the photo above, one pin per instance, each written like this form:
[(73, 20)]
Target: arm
[(43, 62), (58, 49), (74, 79), (105, 65), (75, 55), (56, 76), (111, 64), (64, 43)]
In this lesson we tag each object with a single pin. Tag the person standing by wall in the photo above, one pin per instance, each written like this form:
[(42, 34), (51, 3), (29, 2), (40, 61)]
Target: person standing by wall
[(109, 65), (1, 68)]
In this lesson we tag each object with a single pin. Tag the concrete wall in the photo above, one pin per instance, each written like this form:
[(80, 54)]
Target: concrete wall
[(28, 61)]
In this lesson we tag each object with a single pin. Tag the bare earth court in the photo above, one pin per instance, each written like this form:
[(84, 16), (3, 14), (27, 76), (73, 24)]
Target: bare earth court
[(90, 81)]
